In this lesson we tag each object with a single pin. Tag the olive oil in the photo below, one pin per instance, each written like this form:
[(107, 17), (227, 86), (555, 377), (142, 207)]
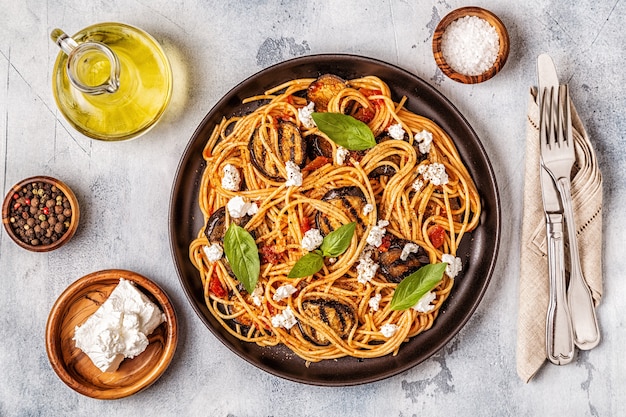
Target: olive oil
[(145, 84)]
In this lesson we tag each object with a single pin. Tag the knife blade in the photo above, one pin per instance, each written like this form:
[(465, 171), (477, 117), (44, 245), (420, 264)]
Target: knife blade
[(559, 335)]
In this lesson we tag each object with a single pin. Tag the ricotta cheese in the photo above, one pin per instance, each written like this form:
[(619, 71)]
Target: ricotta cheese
[(423, 139), (367, 209), (311, 240), (257, 296), (285, 319), (284, 291), (396, 131), (375, 236), (423, 305), (389, 329), (435, 173), (366, 268), (341, 154), (294, 175), (417, 185), (119, 328), (238, 207), (374, 302), (455, 265), (231, 180), (304, 114), (214, 252), (408, 249)]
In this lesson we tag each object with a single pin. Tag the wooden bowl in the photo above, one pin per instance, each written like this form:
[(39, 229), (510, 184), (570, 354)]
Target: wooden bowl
[(494, 21), (9, 201), (75, 305)]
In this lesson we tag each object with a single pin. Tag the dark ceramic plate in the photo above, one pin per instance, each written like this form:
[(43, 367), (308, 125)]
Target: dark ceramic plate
[(478, 250)]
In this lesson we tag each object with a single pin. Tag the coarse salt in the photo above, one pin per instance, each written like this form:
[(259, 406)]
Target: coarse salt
[(470, 45)]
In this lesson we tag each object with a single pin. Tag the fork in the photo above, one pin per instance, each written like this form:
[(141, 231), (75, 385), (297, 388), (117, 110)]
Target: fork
[(558, 157)]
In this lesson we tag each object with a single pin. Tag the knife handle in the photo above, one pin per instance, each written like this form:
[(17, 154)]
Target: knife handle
[(582, 309), (559, 337)]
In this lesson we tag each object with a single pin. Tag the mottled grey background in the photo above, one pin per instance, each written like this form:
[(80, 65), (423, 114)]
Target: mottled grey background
[(125, 187)]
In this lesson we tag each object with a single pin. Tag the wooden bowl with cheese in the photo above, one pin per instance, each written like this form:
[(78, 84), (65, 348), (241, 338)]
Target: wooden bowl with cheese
[(76, 369)]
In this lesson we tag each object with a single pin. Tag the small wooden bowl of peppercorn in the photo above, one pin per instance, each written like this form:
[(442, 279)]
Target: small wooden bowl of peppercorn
[(40, 213), (470, 45)]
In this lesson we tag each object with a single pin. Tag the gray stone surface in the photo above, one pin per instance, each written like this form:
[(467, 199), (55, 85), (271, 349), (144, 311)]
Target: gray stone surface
[(125, 188)]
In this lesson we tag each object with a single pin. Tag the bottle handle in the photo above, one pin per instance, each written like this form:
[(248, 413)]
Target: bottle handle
[(75, 54)]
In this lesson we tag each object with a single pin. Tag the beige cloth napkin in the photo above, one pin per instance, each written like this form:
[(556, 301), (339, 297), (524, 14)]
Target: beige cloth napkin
[(534, 281)]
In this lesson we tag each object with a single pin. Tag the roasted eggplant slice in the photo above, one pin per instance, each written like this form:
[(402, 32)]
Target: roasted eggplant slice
[(216, 225), (291, 146), (339, 317), (394, 268), (349, 200), (319, 146), (323, 89)]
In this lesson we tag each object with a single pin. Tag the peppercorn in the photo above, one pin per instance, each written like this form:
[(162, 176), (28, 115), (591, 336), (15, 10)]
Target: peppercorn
[(40, 213)]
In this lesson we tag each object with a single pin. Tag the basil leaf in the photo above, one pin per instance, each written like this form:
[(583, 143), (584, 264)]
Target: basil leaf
[(243, 256), (307, 265), (412, 288), (337, 241), (345, 130)]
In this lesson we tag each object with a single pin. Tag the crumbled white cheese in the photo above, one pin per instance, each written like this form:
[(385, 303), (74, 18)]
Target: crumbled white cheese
[(423, 305), (417, 185), (284, 291), (285, 319), (311, 240), (238, 207), (389, 329), (408, 248), (366, 268), (367, 209), (119, 328), (455, 265), (341, 154), (294, 175), (213, 252), (424, 139), (375, 236), (257, 296), (396, 131), (435, 173), (374, 302), (231, 180), (304, 114)]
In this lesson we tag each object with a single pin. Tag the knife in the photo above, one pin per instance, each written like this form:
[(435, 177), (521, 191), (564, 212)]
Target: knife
[(585, 330), (559, 335)]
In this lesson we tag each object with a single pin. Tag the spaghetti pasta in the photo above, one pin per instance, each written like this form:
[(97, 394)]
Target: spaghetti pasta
[(410, 194)]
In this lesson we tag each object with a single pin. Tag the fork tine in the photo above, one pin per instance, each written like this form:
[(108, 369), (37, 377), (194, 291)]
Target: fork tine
[(569, 137)]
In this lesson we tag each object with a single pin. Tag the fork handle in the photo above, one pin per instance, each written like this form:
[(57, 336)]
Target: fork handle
[(583, 312), (559, 340)]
